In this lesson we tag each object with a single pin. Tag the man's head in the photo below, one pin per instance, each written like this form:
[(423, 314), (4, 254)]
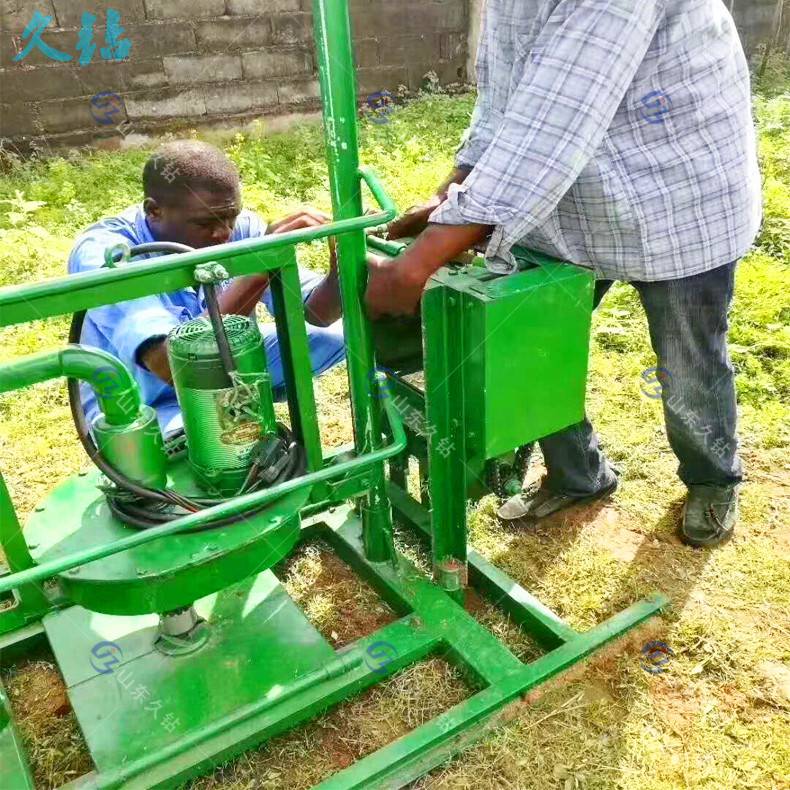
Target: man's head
[(192, 194)]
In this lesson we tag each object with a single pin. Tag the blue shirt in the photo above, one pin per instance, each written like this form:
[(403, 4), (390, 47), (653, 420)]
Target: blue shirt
[(122, 328)]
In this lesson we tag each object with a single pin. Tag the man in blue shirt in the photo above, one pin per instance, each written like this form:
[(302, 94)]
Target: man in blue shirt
[(192, 196)]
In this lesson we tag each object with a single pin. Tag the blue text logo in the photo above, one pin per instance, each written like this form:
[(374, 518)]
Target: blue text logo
[(381, 104), (106, 106), (653, 382), (105, 656), (379, 656), (656, 656), (655, 106)]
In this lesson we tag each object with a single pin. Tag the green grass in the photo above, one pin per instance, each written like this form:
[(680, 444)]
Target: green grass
[(718, 718)]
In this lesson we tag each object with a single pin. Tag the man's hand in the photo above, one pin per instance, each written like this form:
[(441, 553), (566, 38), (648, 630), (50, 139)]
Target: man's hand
[(152, 355), (413, 221), (241, 296), (306, 217), (394, 286)]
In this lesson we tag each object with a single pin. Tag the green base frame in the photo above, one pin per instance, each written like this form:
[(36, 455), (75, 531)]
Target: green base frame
[(285, 673)]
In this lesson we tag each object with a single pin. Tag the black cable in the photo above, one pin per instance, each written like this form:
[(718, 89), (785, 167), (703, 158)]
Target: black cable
[(218, 325)]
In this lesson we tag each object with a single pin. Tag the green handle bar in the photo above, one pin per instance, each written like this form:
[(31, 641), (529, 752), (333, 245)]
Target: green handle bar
[(232, 507)]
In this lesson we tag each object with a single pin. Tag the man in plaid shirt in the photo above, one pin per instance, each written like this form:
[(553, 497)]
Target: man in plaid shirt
[(615, 134)]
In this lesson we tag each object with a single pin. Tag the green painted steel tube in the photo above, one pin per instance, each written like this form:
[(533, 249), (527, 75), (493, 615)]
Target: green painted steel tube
[(391, 248), (116, 391), (337, 79), (232, 507), (74, 292), (377, 189)]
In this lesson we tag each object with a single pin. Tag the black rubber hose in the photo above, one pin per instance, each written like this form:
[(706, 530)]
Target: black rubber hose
[(77, 414)]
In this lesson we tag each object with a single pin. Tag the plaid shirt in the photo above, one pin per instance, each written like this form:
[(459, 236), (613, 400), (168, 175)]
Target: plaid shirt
[(615, 134)]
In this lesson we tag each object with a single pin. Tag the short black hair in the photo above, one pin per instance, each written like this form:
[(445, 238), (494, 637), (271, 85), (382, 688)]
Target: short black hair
[(184, 165)]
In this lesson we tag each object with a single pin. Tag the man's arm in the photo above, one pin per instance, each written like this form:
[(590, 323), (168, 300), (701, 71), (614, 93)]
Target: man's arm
[(323, 307), (239, 298), (395, 286), (415, 220), (555, 120)]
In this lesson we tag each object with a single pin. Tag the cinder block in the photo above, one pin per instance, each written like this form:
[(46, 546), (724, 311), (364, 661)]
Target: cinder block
[(39, 84), (168, 103), (366, 52), (15, 14), (16, 120), (296, 91), (276, 63), (9, 47), (191, 69), (405, 50), (155, 39), (292, 28), (69, 12), (381, 78), (446, 71), (65, 115), (240, 97), (121, 77), (409, 17), (184, 9), (62, 40), (452, 46), (260, 8), (227, 35)]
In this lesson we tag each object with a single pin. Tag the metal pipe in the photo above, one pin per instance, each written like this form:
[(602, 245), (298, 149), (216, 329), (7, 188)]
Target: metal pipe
[(232, 507), (391, 248), (377, 189), (75, 292), (336, 75), (116, 390)]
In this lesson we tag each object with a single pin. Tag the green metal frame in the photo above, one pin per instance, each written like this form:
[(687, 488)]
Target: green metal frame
[(284, 686)]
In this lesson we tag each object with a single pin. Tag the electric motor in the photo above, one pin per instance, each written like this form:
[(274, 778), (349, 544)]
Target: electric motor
[(225, 416)]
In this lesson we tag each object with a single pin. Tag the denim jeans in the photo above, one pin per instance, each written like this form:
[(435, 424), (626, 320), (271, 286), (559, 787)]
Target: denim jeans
[(688, 331)]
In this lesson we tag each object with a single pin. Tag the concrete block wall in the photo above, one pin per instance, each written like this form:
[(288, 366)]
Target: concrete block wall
[(201, 61), (198, 61)]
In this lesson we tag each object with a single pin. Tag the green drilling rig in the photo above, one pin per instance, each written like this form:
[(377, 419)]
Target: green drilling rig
[(152, 570)]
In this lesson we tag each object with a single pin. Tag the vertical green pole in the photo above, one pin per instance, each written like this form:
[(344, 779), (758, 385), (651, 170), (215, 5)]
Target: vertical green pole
[(17, 554), (443, 330), (334, 48)]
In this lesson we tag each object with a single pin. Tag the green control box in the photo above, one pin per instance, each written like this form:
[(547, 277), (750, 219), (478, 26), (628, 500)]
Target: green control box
[(506, 356)]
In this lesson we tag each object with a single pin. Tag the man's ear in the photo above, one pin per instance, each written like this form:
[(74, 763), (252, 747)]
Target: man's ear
[(152, 208)]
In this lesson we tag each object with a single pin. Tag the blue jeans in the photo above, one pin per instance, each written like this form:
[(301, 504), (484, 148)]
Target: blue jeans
[(688, 331)]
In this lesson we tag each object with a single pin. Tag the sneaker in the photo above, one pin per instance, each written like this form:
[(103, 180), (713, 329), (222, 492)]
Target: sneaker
[(709, 515), (537, 502)]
